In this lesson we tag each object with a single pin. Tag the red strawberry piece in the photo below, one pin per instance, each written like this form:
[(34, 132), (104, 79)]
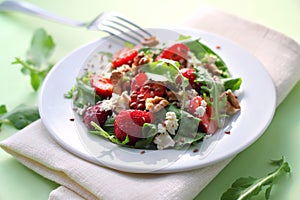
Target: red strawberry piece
[(138, 81), (194, 104), (95, 114), (206, 124), (189, 73), (130, 122), (177, 52), (103, 86), (124, 56)]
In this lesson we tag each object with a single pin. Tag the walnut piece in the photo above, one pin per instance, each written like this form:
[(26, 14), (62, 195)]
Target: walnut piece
[(150, 41), (212, 68), (142, 59), (172, 96), (232, 105), (116, 78), (156, 104), (139, 60)]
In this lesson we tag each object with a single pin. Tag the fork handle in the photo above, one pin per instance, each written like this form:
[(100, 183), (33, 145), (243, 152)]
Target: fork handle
[(28, 8)]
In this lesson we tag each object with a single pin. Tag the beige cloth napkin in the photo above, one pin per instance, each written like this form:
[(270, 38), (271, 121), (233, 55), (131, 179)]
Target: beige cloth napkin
[(34, 147)]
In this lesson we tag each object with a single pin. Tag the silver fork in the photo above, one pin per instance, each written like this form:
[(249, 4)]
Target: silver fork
[(109, 22)]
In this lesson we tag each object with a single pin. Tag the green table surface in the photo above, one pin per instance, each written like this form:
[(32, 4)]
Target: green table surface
[(282, 138)]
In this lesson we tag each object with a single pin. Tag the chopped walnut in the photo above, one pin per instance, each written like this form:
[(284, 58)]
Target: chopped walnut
[(139, 60), (150, 41), (156, 104), (232, 104), (212, 68), (142, 59), (116, 77), (172, 96)]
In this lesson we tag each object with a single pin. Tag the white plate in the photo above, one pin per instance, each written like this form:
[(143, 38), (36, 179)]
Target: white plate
[(257, 100)]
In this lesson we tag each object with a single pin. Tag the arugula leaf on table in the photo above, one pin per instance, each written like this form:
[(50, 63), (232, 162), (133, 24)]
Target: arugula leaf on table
[(36, 63), (19, 117), (247, 187), (3, 109)]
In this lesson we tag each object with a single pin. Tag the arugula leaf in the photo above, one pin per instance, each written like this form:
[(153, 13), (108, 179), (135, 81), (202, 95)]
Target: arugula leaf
[(167, 72), (187, 130), (215, 88), (85, 94), (200, 51), (184, 37), (3, 109), (162, 70), (103, 133), (172, 108), (232, 84), (109, 125), (19, 117), (70, 93), (247, 187), (149, 131), (36, 63)]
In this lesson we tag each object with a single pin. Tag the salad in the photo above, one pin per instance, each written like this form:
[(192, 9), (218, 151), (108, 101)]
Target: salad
[(171, 95)]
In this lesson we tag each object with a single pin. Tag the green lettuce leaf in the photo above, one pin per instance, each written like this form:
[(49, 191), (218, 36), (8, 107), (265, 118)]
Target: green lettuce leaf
[(19, 117), (247, 187), (36, 63), (149, 131), (201, 51), (232, 84), (99, 131)]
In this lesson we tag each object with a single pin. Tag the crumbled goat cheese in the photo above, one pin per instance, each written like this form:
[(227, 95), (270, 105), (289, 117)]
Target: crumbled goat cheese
[(106, 105), (121, 102), (161, 128), (163, 140), (201, 109), (171, 122), (116, 102)]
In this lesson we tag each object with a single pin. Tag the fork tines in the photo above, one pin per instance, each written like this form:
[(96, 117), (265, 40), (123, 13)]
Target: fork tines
[(122, 28)]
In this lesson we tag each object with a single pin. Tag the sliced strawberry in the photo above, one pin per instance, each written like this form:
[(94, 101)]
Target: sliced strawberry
[(130, 122), (95, 114), (194, 104), (138, 81), (206, 124), (189, 73), (124, 56), (103, 86), (177, 52)]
